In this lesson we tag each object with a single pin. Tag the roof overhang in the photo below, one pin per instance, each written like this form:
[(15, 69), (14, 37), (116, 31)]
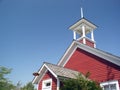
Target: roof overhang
[(56, 71), (41, 73), (83, 22), (105, 55)]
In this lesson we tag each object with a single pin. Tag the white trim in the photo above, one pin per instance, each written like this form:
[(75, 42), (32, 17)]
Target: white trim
[(102, 54), (42, 72), (74, 35), (35, 80), (109, 83), (44, 84), (66, 54), (92, 36), (42, 75), (83, 31), (69, 56), (51, 71), (94, 45), (58, 84), (85, 38), (99, 53), (86, 22)]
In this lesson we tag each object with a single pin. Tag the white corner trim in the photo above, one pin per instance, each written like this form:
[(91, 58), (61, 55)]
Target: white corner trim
[(58, 84), (110, 82)]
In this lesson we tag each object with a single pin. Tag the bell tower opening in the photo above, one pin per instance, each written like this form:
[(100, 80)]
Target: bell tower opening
[(85, 30)]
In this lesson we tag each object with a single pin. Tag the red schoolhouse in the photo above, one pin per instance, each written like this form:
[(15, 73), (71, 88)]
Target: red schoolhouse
[(82, 56)]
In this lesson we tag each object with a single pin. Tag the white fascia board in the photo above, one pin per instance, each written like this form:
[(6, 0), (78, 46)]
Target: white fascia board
[(42, 72), (94, 51), (101, 54), (82, 21), (51, 71), (42, 76), (38, 78), (89, 24), (67, 54)]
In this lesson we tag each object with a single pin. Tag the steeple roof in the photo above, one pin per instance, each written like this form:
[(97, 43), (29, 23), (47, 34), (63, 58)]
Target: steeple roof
[(78, 26)]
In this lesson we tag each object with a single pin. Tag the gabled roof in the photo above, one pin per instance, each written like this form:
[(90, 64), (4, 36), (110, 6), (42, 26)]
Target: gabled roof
[(83, 21), (75, 44), (61, 71), (56, 71), (77, 27)]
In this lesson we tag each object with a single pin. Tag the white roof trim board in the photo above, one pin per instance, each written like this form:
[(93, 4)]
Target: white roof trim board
[(56, 71), (75, 44), (41, 73), (83, 21)]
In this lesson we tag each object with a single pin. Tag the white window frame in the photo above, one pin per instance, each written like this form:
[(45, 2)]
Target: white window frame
[(44, 82), (110, 82)]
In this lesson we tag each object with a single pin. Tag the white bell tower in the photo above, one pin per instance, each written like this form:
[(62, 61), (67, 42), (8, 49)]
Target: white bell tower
[(82, 28)]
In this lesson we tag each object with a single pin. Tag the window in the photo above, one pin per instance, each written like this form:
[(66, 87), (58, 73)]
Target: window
[(47, 84), (110, 85)]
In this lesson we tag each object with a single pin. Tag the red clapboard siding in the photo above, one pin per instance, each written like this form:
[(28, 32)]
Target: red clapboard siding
[(88, 42), (100, 69), (48, 75)]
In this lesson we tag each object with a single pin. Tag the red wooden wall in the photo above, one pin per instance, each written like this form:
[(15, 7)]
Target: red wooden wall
[(88, 42), (100, 69), (48, 75)]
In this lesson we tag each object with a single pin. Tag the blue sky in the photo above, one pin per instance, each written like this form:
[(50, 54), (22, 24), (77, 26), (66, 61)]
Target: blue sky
[(35, 31)]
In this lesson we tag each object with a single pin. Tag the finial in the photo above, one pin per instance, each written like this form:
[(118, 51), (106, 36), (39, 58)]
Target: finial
[(81, 12), (81, 5)]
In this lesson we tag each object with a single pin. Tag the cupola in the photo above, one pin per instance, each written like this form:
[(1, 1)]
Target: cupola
[(83, 31)]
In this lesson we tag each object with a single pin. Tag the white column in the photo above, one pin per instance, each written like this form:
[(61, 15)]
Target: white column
[(74, 35), (83, 34), (83, 31), (92, 35), (58, 83), (94, 45)]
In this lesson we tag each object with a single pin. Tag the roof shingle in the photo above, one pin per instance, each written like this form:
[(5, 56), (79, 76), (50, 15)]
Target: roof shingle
[(62, 72)]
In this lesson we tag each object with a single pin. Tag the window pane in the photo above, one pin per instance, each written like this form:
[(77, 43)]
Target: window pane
[(48, 84), (113, 86), (106, 87)]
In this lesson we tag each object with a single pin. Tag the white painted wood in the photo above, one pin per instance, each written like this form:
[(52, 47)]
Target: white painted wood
[(92, 36), (81, 12), (58, 84), (74, 35)]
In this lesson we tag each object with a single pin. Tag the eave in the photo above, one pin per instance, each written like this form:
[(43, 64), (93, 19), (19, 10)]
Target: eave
[(75, 44), (56, 71)]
